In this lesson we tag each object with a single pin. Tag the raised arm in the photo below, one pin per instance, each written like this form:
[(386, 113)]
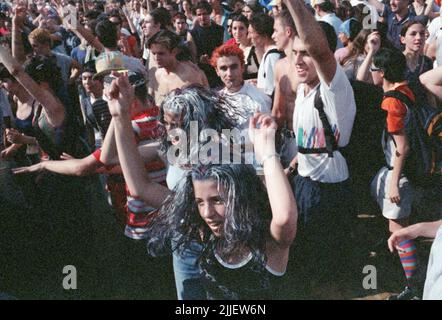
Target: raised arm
[(75, 71), (429, 10), (314, 40), (148, 6), (432, 80), (126, 13), (373, 43), (120, 97), (282, 201), (379, 6), (79, 29), (18, 19), (192, 46), (109, 154), (54, 109)]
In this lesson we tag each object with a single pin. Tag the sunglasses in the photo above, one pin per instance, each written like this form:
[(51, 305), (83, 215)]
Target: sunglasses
[(374, 69)]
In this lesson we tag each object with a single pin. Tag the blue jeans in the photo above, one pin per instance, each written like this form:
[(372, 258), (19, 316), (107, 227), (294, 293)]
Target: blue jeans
[(187, 273)]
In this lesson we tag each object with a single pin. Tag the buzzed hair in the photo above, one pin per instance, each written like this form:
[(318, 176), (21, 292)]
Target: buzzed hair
[(287, 20)]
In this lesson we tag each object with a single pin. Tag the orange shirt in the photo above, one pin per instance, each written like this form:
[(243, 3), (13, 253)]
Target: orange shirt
[(396, 110)]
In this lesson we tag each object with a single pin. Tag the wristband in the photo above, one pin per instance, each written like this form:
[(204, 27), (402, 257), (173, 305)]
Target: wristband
[(269, 157)]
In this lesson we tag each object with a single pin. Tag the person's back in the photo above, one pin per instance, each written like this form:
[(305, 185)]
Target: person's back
[(265, 80), (261, 30)]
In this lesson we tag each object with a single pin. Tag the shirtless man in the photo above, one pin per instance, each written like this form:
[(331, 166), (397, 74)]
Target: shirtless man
[(286, 83), (171, 73)]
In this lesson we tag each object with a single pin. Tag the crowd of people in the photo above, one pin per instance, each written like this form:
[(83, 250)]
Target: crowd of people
[(238, 137)]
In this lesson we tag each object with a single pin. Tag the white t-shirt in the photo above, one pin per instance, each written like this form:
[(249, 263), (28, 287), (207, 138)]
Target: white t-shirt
[(340, 108), (435, 33), (265, 80), (175, 175), (251, 100), (247, 101), (433, 282)]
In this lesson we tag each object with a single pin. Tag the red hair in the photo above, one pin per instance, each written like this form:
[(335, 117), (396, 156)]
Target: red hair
[(227, 50)]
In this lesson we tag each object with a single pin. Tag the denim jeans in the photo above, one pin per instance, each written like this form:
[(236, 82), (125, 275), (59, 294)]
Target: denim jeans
[(187, 273)]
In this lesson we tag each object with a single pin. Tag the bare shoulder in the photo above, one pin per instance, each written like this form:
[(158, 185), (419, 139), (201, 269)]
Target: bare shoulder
[(193, 72), (282, 66), (189, 66), (157, 71)]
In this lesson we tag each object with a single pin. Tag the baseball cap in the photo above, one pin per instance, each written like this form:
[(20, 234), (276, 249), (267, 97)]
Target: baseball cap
[(107, 62)]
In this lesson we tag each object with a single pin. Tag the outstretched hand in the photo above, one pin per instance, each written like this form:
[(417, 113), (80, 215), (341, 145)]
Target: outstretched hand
[(38, 167)]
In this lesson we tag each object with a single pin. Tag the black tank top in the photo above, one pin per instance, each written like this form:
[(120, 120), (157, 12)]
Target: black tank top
[(247, 280)]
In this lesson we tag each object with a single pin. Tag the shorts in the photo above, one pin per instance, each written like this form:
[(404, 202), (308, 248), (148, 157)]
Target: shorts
[(379, 190)]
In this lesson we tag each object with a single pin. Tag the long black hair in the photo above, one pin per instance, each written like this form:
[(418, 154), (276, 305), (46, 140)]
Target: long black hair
[(247, 215)]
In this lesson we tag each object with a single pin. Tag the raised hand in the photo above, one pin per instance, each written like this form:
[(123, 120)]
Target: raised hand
[(120, 95), (262, 133), (374, 41), (19, 16)]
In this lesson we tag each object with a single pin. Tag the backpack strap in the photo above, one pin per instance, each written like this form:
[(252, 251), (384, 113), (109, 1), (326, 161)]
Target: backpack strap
[(330, 140), (274, 50), (400, 96), (404, 99)]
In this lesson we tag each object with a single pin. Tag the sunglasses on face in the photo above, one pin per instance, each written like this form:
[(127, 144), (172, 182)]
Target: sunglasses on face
[(374, 69)]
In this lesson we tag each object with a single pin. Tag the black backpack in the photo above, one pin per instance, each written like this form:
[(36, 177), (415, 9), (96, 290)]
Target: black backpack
[(423, 166)]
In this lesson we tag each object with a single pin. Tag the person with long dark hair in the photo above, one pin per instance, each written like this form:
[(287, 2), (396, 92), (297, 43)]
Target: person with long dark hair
[(245, 238)]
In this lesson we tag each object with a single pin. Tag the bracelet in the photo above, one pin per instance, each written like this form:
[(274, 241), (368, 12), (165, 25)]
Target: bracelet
[(269, 157), (293, 169)]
